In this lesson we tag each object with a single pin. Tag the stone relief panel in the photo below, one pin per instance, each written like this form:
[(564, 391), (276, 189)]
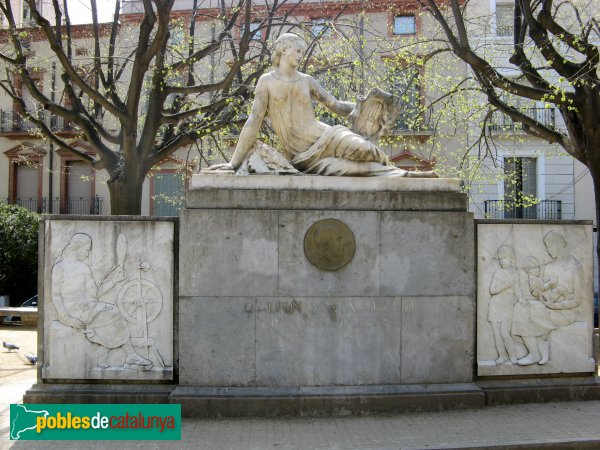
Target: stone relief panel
[(108, 300), (535, 299)]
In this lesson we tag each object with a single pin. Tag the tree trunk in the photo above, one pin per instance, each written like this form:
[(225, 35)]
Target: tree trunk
[(595, 172), (126, 195)]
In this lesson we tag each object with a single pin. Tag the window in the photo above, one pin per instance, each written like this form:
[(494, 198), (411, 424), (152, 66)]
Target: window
[(504, 19), (255, 31), (26, 13), (520, 188), (404, 25), (405, 84), (321, 27), (169, 188)]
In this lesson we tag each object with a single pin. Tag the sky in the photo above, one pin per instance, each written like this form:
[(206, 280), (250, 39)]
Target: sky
[(80, 11)]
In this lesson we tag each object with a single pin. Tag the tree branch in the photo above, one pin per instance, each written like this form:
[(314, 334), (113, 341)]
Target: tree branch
[(70, 70)]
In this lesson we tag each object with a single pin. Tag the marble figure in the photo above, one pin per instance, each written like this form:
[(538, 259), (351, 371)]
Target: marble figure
[(313, 147)]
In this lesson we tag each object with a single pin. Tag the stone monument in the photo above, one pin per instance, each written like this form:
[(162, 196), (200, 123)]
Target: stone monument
[(301, 294), (323, 287)]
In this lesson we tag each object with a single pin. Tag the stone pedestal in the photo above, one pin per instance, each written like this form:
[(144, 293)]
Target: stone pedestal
[(283, 295), (255, 312)]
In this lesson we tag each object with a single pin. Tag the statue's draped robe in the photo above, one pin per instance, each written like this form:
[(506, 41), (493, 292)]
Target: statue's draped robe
[(316, 148)]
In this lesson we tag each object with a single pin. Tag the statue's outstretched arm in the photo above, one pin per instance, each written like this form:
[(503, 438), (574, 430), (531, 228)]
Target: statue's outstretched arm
[(329, 101), (250, 129)]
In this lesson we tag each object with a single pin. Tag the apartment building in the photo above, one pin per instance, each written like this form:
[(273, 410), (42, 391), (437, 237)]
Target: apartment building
[(526, 167)]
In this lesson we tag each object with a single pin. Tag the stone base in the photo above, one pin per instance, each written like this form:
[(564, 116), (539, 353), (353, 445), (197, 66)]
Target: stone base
[(325, 401), (212, 402), (97, 393), (501, 392)]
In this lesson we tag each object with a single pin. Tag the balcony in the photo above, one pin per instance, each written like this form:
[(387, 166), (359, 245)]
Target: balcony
[(500, 122), (84, 206), (76, 205), (34, 204), (509, 209), (11, 122)]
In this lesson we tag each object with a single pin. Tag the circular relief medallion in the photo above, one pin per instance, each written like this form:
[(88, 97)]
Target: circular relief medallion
[(329, 244)]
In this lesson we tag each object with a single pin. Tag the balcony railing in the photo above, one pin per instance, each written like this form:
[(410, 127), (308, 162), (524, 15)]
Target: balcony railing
[(508, 209), (501, 122), (84, 205), (74, 205), (11, 122), (36, 204)]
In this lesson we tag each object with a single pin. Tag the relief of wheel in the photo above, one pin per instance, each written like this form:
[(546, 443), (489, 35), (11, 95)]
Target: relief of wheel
[(131, 296)]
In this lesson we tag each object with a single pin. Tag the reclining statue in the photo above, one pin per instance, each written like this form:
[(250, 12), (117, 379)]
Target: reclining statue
[(310, 146)]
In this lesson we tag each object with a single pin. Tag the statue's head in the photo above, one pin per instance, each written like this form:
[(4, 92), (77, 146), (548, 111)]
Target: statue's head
[(79, 246), (283, 42), (555, 243), (506, 256)]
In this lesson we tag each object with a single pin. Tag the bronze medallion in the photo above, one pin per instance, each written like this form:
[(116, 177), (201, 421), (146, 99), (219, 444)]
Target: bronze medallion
[(329, 244)]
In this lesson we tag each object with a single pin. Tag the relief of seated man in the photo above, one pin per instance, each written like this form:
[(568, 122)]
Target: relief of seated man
[(311, 147)]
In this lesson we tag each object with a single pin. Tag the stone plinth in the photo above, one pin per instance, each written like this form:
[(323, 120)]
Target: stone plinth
[(534, 298), (255, 312), (107, 293)]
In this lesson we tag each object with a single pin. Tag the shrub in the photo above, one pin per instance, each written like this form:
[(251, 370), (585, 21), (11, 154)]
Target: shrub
[(18, 252)]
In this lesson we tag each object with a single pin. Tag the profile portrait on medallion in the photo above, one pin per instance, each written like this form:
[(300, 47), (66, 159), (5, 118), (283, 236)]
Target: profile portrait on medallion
[(329, 244)]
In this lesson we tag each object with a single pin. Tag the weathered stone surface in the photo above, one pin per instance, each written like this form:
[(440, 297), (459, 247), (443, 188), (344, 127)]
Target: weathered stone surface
[(319, 183), (63, 393), (536, 390), (236, 198), (298, 277), (228, 253), (328, 341), (272, 318), (329, 193), (324, 400), (107, 291), (534, 305), (308, 341), (217, 342), (426, 253), (397, 253), (437, 339)]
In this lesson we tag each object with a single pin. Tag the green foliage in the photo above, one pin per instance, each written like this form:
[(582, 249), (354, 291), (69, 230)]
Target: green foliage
[(18, 252)]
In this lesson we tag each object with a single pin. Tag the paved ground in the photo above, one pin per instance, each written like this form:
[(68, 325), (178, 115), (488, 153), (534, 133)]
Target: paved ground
[(536, 426)]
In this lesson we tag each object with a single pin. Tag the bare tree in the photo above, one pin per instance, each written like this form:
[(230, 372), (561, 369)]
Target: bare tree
[(555, 56), (137, 108)]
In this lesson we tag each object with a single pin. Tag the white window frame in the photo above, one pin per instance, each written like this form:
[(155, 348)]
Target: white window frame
[(414, 24), (255, 27), (540, 166)]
